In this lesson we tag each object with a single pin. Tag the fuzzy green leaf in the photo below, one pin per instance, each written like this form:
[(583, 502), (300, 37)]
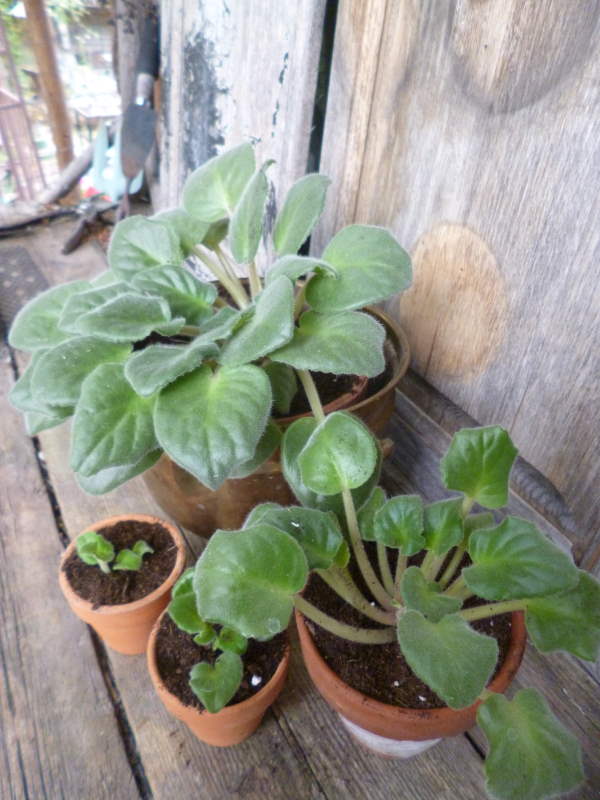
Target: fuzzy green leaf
[(90, 300), (293, 267), (284, 385), (138, 243), (221, 324), (246, 226), (268, 443), (443, 525), (182, 610), (247, 579), (302, 208), (399, 524), (206, 635), (184, 584), (128, 560), (93, 549), (515, 560), (349, 343), (208, 423), (366, 514), (21, 395), (213, 190), (532, 756), (217, 231), (156, 366), (425, 596), (371, 264), (129, 317), (230, 639), (36, 325), (112, 426), (475, 522), (105, 480), (188, 230), (478, 463), (187, 296), (37, 421), (105, 278), (142, 548), (215, 685), (453, 659)]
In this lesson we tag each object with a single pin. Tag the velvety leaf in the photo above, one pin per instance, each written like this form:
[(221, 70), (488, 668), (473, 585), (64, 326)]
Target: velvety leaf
[(138, 243), (271, 326), (268, 443), (475, 522), (568, 620), (531, 755), (284, 385), (213, 190), (36, 325), (79, 304), (293, 267), (208, 423), (340, 454), (317, 532), (221, 324), (366, 514), (93, 549), (184, 584), (231, 640), (58, 377), (478, 463), (186, 295), (515, 560), (188, 230), (130, 317), (399, 524), (182, 610), (105, 278), (112, 426), (217, 231), (371, 264), (127, 560), (425, 596), (247, 579), (214, 685), (150, 369), (301, 209), (21, 395), (142, 548), (349, 344), (246, 226), (206, 635), (105, 480), (443, 525), (38, 421), (449, 656)]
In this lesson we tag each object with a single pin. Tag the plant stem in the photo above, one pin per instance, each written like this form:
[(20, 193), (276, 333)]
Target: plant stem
[(492, 609), (400, 570), (235, 289), (255, 282), (314, 400), (342, 583), (453, 564), (459, 589), (353, 634), (189, 330), (431, 565), (229, 267), (484, 694), (384, 568), (371, 579), (300, 300)]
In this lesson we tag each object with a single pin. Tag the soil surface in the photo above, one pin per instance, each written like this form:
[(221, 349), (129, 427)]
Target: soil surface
[(380, 671), (177, 653), (124, 586)]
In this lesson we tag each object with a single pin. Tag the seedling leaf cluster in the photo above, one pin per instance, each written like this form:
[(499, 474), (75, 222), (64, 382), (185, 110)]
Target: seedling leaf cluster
[(95, 550)]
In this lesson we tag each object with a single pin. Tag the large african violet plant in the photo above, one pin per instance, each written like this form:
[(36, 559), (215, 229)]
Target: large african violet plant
[(251, 580), (207, 399)]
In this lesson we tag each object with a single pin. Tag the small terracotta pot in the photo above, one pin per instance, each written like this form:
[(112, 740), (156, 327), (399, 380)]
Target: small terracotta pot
[(233, 723), (125, 628), (407, 725)]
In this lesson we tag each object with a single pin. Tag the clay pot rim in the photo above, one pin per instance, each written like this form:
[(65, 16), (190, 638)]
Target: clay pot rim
[(506, 673), (111, 610), (226, 712)]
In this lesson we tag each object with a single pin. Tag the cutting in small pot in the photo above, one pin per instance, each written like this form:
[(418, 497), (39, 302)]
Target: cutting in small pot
[(117, 576), (211, 677), (419, 581)]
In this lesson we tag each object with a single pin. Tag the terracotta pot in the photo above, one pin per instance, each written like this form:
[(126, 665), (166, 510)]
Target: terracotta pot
[(380, 726), (202, 510), (233, 723), (125, 628)]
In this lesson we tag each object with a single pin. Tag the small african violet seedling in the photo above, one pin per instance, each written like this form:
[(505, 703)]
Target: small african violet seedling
[(94, 549)]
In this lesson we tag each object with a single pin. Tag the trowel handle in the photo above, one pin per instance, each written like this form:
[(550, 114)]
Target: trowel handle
[(149, 54)]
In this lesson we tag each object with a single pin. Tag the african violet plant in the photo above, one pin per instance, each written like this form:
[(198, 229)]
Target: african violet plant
[(252, 579), (207, 398), (95, 550)]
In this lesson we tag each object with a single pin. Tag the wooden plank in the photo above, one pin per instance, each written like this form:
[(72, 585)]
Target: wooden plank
[(58, 732), (474, 136)]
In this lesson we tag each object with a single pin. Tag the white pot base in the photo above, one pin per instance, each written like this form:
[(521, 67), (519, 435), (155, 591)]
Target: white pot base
[(392, 748)]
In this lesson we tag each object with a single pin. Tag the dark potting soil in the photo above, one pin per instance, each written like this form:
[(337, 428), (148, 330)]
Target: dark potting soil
[(380, 671), (176, 654), (124, 586)]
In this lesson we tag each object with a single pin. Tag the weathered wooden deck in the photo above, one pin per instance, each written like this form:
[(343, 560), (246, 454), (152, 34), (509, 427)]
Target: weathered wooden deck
[(82, 723)]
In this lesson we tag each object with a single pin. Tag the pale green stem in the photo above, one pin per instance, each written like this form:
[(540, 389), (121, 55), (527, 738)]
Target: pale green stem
[(353, 634), (484, 694), (314, 400), (467, 505), (189, 330), (493, 609), (362, 559), (401, 565), (220, 274), (255, 282), (300, 300), (229, 267), (458, 589), (384, 568), (341, 582), (453, 564), (431, 565)]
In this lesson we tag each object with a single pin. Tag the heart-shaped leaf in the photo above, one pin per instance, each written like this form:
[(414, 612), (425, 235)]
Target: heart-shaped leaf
[(21, 395), (93, 549), (271, 326), (293, 267), (268, 443), (247, 579), (349, 343), (515, 560), (112, 426), (215, 684), (184, 584), (79, 304), (129, 317), (188, 230), (478, 463), (371, 265), (127, 560), (475, 522), (301, 209), (213, 190), (453, 659), (208, 423), (156, 366), (221, 324), (425, 596), (284, 385), (182, 610), (138, 243), (38, 421), (108, 479), (443, 525), (399, 524), (230, 639), (246, 226), (568, 620), (531, 756), (366, 514), (186, 295), (340, 454), (36, 325), (217, 231)]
